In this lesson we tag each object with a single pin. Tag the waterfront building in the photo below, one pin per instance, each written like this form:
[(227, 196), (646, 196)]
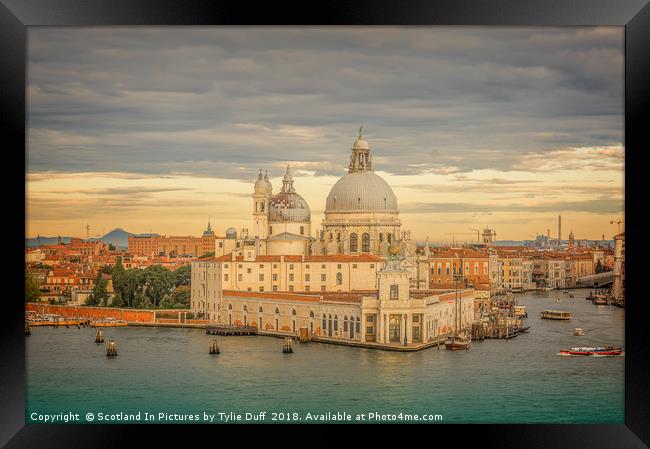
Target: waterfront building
[(389, 314), (447, 263), (527, 282), (495, 270), (556, 271), (512, 269)]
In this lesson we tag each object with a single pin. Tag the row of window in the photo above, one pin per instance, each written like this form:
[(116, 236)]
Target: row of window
[(275, 265), (459, 270), (323, 277), (323, 288)]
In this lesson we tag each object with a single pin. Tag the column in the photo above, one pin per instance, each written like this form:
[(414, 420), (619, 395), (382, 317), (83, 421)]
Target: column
[(407, 330), (386, 337), (378, 328)]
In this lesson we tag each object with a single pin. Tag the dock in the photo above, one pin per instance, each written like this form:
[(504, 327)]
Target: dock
[(229, 329)]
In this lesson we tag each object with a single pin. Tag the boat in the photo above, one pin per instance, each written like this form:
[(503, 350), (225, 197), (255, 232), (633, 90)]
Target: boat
[(598, 351), (520, 311), (456, 342), (578, 332), (49, 319), (571, 295), (109, 322), (555, 315), (566, 292), (600, 301)]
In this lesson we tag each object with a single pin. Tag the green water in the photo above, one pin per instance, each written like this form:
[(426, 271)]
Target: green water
[(161, 370)]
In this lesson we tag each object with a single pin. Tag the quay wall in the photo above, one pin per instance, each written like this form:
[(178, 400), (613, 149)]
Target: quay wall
[(129, 315)]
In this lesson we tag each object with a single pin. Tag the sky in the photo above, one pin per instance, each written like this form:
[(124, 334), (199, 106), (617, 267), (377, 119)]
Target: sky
[(160, 129)]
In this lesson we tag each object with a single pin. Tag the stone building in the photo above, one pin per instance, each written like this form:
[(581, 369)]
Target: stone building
[(389, 315)]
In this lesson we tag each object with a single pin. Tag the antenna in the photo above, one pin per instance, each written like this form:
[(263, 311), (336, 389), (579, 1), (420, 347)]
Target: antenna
[(478, 234)]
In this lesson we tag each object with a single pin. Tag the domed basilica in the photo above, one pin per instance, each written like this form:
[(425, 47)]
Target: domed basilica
[(361, 214)]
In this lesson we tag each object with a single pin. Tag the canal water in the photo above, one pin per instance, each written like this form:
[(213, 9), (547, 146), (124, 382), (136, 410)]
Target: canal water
[(162, 370)]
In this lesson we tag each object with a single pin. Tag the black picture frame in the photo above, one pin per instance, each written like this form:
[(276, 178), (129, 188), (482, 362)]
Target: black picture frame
[(634, 15)]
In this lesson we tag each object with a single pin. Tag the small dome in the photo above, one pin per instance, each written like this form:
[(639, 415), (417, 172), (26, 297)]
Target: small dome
[(288, 205), (231, 233), (360, 144)]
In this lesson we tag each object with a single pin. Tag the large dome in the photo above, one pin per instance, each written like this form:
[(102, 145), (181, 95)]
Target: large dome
[(288, 206), (361, 191)]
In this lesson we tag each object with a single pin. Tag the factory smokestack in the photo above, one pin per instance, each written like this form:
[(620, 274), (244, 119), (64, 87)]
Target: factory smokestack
[(559, 230)]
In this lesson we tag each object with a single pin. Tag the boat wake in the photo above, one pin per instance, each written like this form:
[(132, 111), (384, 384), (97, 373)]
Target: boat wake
[(591, 355)]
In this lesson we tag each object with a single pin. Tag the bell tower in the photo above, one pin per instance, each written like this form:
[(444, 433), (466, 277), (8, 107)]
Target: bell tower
[(261, 197)]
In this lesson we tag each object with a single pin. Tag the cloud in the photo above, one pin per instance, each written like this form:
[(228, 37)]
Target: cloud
[(433, 100), (596, 206)]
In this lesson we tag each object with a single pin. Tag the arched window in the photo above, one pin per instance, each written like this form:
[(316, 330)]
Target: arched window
[(336, 322), (324, 323), (311, 314), (358, 326), (293, 312), (262, 207), (389, 237), (229, 306), (245, 308), (261, 309), (277, 311), (365, 243), (345, 324), (353, 243), (339, 279), (381, 237)]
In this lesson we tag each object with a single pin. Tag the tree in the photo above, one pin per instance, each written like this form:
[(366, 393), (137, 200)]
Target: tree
[(179, 299), (158, 281), (117, 301), (100, 292), (183, 275), (32, 291), (127, 284)]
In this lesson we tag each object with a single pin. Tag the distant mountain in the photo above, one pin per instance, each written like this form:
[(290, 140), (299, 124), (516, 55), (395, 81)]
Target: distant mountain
[(118, 235)]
